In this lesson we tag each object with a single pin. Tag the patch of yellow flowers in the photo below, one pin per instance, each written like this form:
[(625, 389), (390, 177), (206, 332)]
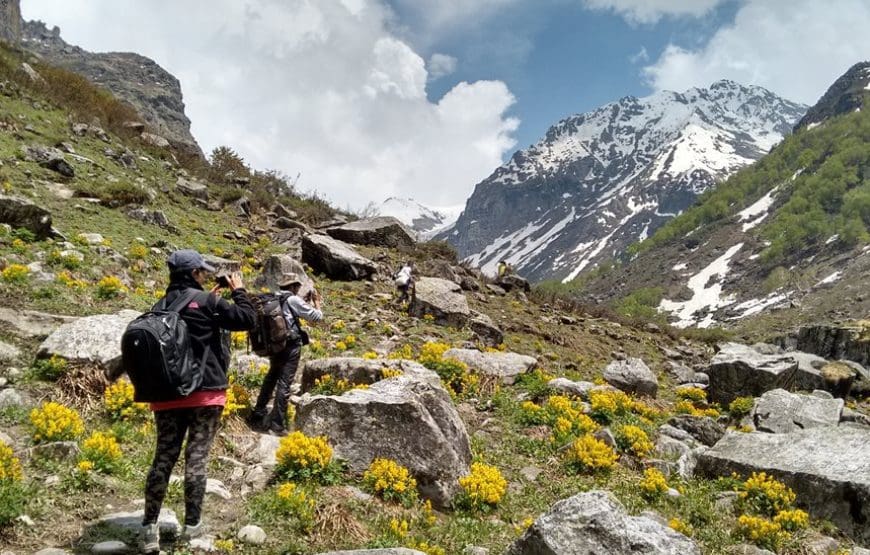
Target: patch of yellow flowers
[(484, 487), (589, 454), (387, 372), (680, 526), (293, 500), (118, 400), (390, 480), (774, 517), (55, 422), (15, 273), (10, 466), (564, 416), (109, 287), (238, 399), (605, 404), (765, 494), (102, 449), (298, 452), (370, 355), (68, 281), (654, 483), (632, 438)]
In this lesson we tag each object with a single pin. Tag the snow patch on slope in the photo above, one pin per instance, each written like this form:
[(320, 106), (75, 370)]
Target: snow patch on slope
[(757, 212), (704, 297)]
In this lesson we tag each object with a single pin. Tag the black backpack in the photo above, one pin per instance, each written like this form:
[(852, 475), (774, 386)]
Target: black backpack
[(272, 333), (156, 353)]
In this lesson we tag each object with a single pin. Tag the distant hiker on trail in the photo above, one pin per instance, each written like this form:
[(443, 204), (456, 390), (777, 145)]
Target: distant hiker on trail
[(197, 414), (283, 356), (404, 280), (503, 269)]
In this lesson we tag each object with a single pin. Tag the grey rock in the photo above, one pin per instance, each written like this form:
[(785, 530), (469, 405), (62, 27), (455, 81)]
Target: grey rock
[(605, 435), (92, 239), (223, 266), (92, 339), (10, 398), (739, 371), (595, 522), (748, 549), (283, 212), (131, 522), (52, 551), (252, 535), (57, 450), (336, 259), (48, 157), (156, 141), (530, 473), (31, 324), (191, 188), (855, 417), (703, 428), (506, 366), (860, 551), (153, 217), (381, 231), (475, 550), (8, 353), (248, 364), (780, 412), (823, 545), (279, 265), (514, 282), (808, 375), (828, 468), (360, 371), (632, 376), (680, 372), (289, 223), (485, 329), (702, 378), (496, 289), (564, 385), (113, 547), (411, 421), (20, 212), (442, 299)]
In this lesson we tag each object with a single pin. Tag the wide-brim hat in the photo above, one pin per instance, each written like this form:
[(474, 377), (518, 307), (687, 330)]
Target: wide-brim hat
[(289, 280)]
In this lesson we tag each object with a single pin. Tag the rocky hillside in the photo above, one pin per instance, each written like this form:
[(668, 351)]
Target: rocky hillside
[(151, 90), (500, 425), (787, 236), (600, 181), (846, 95)]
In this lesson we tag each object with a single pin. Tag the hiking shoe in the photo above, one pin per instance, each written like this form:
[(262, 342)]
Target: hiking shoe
[(149, 538), (255, 423), (193, 531)]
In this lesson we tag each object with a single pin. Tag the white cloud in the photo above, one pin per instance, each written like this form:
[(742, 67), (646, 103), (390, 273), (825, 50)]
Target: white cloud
[(641, 56), (795, 48), (440, 65), (650, 11), (321, 87)]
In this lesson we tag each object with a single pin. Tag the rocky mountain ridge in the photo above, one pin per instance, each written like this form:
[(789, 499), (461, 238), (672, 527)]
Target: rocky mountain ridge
[(151, 90), (784, 242), (600, 181), (422, 219)]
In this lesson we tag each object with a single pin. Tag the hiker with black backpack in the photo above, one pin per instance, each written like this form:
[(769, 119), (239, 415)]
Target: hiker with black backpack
[(279, 335), (177, 358)]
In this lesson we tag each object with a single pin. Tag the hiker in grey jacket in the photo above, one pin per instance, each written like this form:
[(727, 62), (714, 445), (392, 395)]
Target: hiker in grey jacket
[(283, 365)]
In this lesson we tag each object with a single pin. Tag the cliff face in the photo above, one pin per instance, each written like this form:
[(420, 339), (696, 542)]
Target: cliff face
[(140, 81), (10, 21)]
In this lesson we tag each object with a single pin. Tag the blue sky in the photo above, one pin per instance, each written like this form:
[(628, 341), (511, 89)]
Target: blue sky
[(368, 99), (562, 59)]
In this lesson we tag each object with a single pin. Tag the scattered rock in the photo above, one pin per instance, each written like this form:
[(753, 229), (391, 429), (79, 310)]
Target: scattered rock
[(223, 265), (52, 551), (156, 141), (530, 473), (411, 421), (30, 324), (19, 212), (780, 412), (632, 376), (828, 468), (252, 535), (334, 258), (595, 522), (748, 549), (93, 239), (739, 371), (514, 282), (442, 299), (288, 223), (32, 73), (504, 365), (485, 329), (113, 547), (564, 385), (57, 450), (153, 217), (50, 158), (702, 428), (92, 339), (681, 373), (382, 551), (192, 188), (360, 371), (822, 545), (283, 212), (276, 267), (381, 231), (10, 398), (8, 352)]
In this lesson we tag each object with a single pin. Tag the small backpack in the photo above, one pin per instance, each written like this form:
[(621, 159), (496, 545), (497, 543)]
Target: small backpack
[(156, 353), (272, 332)]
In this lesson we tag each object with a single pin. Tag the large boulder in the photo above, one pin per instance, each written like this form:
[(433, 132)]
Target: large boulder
[(410, 421), (485, 329), (740, 371), (833, 341), (513, 281), (360, 371), (381, 231), (780, 412), (48, 157), (336, 259), (19, 212), (442, 299), (276, 267), (30, 323), (702, 428), (828, 468), (505, 366), (92, 339), (192, 188), (595, 522), (632, 376)]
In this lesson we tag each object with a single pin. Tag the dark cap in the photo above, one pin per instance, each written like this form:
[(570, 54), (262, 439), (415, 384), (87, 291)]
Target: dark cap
[(289, 280), (187, 259)]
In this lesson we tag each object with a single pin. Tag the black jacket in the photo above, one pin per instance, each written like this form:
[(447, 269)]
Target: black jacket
[(206, 316)]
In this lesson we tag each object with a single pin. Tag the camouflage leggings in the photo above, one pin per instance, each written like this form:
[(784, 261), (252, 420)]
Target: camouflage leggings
[(200, 425)]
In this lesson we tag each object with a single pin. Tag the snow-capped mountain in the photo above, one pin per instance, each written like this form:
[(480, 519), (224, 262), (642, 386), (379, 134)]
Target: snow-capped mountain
[(421, 219), (600, 181)]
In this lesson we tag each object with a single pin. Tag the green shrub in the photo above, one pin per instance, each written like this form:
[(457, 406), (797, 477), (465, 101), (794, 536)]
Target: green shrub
[(113, 194), (13, 501), (641, 303)]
